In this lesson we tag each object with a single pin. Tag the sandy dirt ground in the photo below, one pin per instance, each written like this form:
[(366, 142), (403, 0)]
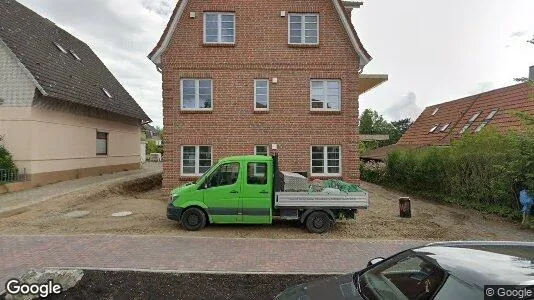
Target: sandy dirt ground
[(92, 215)]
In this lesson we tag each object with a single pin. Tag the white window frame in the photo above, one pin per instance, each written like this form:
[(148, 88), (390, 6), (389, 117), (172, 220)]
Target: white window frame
[(60, 48), (99, 154), (197, 94), (434, 128), (256, 149), (325, 100), (219, 27), (197, 160), (325, 162), (303, 28), (475, 117), (445, 127), (107, 93), (74, 55), (435, 111), (255, 95)]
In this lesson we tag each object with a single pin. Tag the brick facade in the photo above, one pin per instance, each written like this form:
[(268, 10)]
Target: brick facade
[(261, 51)]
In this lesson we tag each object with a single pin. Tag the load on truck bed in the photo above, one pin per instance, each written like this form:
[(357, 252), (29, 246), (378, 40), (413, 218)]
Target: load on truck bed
[(251, 190)]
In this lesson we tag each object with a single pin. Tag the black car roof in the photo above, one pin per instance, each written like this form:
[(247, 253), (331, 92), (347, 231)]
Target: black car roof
[(484, 263)]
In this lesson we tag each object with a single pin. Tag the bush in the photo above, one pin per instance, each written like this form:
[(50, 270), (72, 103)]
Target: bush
[(479, 171), (372, 171), (6, 160)]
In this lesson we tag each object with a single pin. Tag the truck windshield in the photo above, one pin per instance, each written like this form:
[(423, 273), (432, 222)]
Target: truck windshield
[(406, 276), (201, 178)]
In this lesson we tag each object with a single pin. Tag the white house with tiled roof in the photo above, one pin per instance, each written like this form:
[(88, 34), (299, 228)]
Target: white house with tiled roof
[(63, 115)]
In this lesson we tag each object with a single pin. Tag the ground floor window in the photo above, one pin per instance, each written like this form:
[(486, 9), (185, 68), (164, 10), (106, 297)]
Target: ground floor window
[(102, 143), (261, 150), (196, 160), (326, 161)]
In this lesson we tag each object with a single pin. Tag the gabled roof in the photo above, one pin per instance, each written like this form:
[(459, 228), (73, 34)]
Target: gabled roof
[(163, 43), (458, 114), (37, 43)]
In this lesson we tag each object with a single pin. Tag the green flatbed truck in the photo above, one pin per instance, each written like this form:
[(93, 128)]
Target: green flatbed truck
[(249, 190)]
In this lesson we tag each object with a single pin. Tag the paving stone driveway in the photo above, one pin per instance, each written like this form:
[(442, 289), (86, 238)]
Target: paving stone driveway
[(185, 254)]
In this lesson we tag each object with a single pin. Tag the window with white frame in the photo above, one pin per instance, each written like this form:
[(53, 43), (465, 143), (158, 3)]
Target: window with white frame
[(196, 160), (326, 161), (196, 94), (261, 94), (304, 29), (219, 28), (261, 150), (325, 95)]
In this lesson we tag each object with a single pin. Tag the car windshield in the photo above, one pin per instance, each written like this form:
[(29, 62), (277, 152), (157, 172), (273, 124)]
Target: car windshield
[(405, 276)]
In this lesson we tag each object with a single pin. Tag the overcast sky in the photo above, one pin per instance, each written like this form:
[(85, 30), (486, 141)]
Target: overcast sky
[(433, 50)]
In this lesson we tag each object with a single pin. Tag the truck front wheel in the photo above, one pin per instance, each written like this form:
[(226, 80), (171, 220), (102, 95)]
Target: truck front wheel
[(193, 219), (318, 222)]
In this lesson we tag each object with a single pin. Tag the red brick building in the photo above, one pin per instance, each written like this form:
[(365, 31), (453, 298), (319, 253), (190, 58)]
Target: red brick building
[(239, 76), (440, 124)]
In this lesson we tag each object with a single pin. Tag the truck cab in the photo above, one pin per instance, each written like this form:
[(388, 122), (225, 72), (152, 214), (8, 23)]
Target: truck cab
[(235, 190)]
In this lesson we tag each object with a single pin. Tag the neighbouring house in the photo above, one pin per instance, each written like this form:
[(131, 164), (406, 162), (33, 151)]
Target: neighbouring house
[(440, 124), (240, 76), (152, 134), (63, 114)]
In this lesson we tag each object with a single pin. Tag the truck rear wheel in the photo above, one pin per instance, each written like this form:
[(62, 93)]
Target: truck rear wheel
[(193, 219), (318, 222)]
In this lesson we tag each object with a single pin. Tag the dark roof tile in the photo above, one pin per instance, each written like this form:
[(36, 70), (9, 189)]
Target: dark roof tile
[(31, 38)]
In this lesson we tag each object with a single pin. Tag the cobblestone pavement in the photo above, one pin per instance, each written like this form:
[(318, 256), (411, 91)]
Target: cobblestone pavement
[(17, 200), (185, 254)]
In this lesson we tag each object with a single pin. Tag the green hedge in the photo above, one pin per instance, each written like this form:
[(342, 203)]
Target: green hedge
[(479, 171)]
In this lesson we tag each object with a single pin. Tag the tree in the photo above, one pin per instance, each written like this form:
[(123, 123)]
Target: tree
[(373, 123), (400, 128)]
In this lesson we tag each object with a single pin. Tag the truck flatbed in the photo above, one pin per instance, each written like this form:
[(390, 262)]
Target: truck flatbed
[(354, 200)]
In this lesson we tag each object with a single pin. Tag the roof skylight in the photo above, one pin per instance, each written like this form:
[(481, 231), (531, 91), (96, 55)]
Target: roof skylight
[(60, 48), (433, 129), (492, 114), (474, 117), (107, 93), (465, 128), (75, 55), (445, 127), (435, 111)]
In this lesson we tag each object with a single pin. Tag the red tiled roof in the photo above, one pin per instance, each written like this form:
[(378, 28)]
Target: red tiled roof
[(506, 100)]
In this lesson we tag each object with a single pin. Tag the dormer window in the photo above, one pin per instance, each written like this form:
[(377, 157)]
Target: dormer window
[(435, 111), (60, 48), (107, 93), (75, 55)]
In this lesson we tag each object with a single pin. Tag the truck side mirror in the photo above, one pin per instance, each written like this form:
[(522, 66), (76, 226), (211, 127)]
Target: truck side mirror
[(374, 261)]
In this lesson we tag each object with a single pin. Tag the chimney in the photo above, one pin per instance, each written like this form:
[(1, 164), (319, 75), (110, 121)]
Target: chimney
[(531, 73), (350, 5)]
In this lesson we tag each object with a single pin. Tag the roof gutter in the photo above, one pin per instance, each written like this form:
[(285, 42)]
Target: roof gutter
[(24, 69)]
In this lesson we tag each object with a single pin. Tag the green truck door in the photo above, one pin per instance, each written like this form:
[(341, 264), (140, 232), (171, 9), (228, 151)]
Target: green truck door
[(256, 193), (222, 193)]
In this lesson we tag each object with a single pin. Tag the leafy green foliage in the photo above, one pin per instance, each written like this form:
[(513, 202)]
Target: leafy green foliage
[(152, 147), (479, 171), (6, 160), (373, 123)]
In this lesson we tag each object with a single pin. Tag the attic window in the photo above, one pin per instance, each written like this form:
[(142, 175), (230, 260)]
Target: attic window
[(435, 111), (75, 55), (433, 129), (474, 117), (107, 93), (60, 48), (492, 114), (445, 127)]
